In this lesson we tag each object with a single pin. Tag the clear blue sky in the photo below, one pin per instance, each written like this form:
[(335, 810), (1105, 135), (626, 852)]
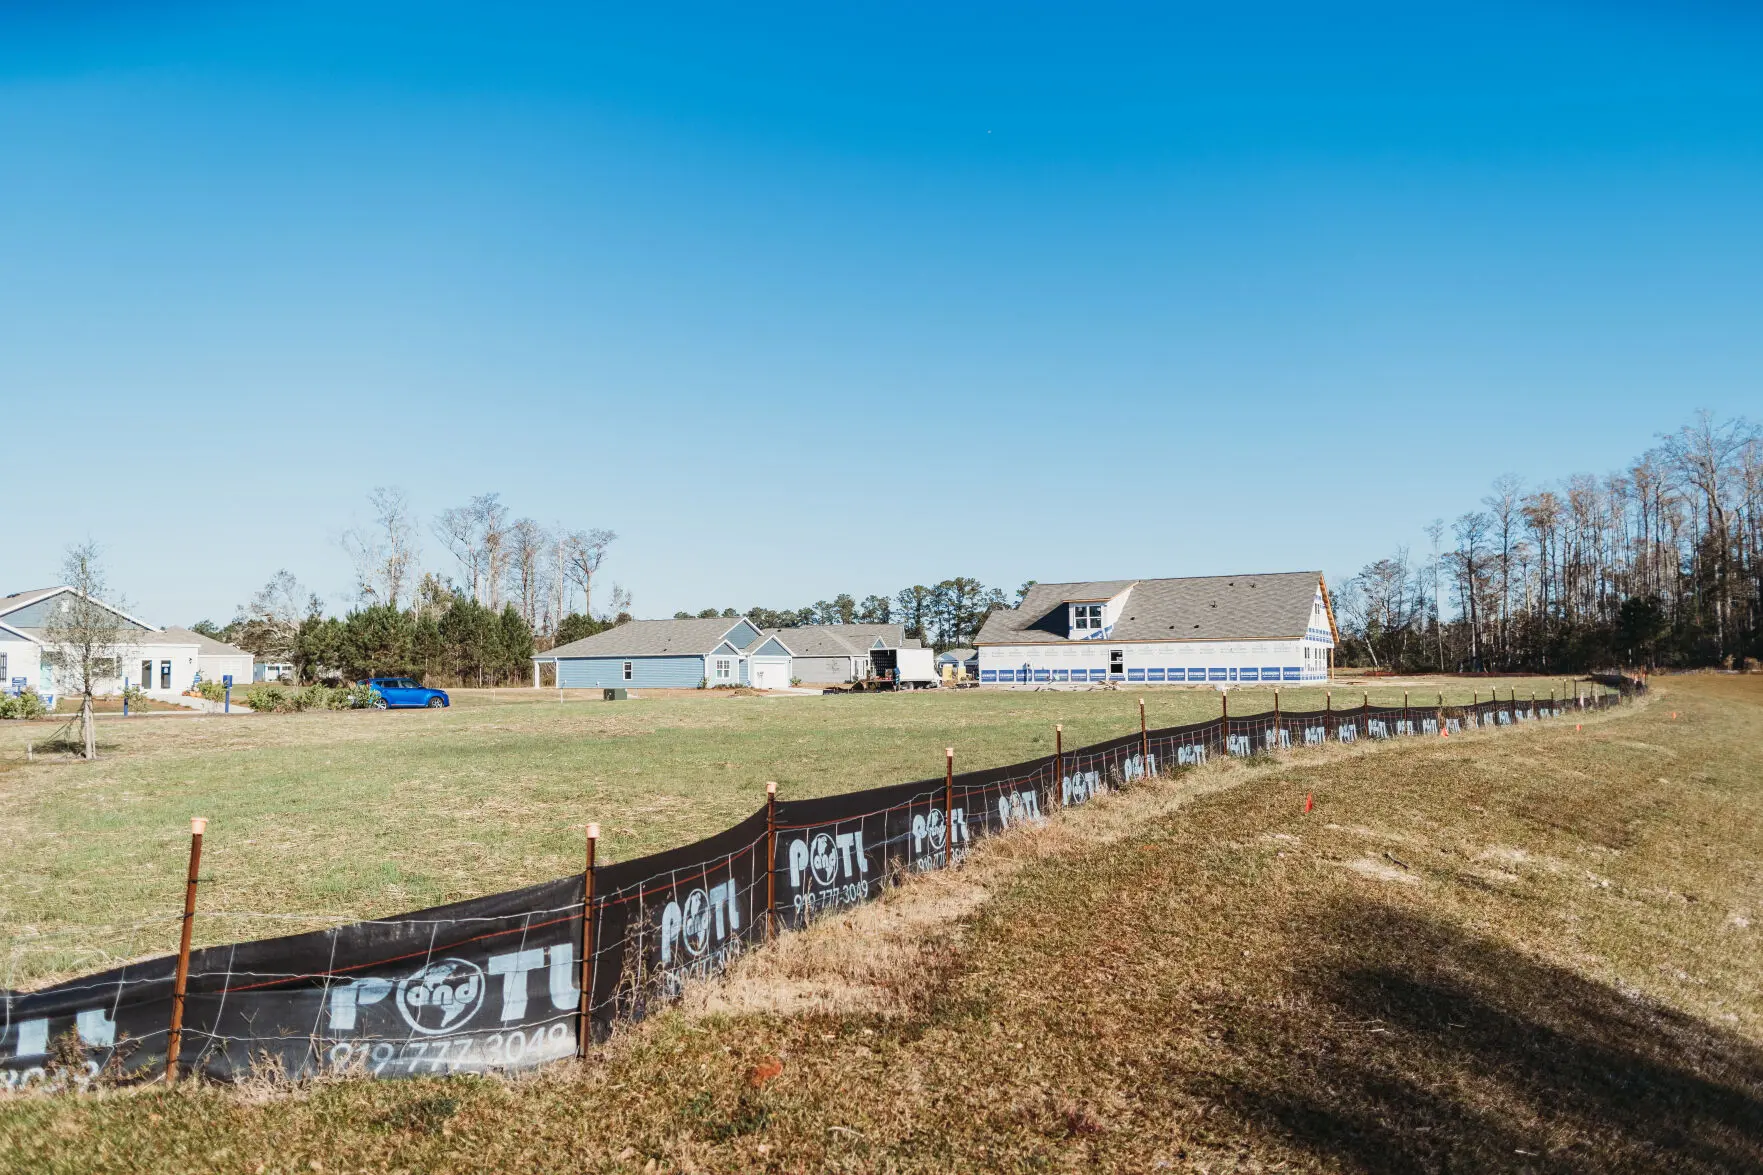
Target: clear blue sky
[(1009, 291)]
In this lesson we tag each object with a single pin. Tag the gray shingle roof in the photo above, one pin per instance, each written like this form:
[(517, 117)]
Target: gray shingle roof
[(764, 635), (1209, 607), (1096, 589), (26, 598), (649, 638), (841, 640), (18, 601)]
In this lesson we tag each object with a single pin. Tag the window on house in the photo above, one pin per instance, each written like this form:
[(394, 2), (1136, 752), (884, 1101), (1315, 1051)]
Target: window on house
[(146, 675), (627, 670), (724, 669), (1086, 616), (3, 677), (1116, 661), (165, 675)]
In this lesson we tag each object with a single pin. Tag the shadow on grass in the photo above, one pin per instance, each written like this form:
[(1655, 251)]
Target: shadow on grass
[(1427, 1050)]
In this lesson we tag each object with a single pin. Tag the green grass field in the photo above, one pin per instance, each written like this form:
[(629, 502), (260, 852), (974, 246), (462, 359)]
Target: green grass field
[(358, 814)]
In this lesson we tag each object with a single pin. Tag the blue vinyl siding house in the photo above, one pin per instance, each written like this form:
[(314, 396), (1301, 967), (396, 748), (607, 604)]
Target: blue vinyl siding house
[(656, 654), (644, 672)]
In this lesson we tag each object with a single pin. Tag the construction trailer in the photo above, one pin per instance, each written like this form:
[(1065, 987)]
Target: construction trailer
[(901, 669)]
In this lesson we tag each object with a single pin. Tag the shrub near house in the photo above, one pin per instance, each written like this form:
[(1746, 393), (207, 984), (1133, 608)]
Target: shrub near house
[(24, 704), (273, 699)]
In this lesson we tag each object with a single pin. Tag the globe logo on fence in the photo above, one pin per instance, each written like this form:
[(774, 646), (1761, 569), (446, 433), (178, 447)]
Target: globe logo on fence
[(441, 996), (695, 922), (823, 859), (939, 830)]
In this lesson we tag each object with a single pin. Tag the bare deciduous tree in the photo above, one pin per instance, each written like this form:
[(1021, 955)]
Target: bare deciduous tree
[(583, 552), (1435, 531), (1705, 455), (385, 553), (476, 534), (1380, 605), (85, 639), (458, 531), (1503, 512), (1470, 560), (492, 523), (528, 543), (270, 622)]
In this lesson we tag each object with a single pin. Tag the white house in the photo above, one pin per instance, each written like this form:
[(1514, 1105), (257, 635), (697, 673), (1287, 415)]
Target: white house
[(157, 661), (20, 656), (216, 660), (1217, 629)]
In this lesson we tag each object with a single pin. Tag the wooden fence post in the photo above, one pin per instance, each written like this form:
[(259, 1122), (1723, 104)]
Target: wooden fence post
[(175, 1040), (1278, 741), (585, 1032), (1059, 758), (1144, 743), (949, 796), (1224, 705), (771, 861)]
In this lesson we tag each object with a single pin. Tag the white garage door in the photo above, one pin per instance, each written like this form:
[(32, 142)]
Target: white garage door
[(771, 674)]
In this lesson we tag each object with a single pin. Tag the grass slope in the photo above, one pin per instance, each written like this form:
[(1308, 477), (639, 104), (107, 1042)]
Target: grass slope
[(363, 814), (1527, 950)]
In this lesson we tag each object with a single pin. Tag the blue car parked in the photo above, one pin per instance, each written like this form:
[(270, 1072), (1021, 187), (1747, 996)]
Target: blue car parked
[(401, 692)]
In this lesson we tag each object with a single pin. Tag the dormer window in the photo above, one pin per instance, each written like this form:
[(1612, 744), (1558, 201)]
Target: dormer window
[(1086, 616)]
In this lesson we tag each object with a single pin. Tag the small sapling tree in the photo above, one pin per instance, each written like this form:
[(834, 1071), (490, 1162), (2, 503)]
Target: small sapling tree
[(86, 640)]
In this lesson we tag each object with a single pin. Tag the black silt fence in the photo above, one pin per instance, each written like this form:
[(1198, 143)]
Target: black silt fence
[(495, 983)]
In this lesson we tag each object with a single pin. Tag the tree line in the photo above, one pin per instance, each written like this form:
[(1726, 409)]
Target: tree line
[(518, 589), (1659, 564), (944, 615), (500, 560)]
